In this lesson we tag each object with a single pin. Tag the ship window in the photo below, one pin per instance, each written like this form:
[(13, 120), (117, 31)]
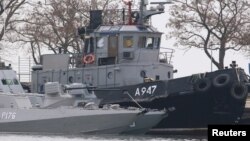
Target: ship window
[(15, 81), (157, 43), (7, 82), (100, 42), (4, 81), (141, 42), (128, 41), (149, 43)]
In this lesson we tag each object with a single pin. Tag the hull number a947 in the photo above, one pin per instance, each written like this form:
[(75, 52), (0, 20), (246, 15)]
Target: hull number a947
[(145, 90), (8, 115)]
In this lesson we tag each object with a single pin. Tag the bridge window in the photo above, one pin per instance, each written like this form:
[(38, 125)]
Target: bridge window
[(4, 81), (141, 42), (7, 82), (15, 81), (146, 42), (128, 41), (149, 43), (100, 42), (157, 43)]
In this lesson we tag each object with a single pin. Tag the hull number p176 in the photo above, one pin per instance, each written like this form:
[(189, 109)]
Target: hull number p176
[(8, 115)]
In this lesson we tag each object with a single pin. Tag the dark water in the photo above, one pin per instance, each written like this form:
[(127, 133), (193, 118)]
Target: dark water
[(29, 137)]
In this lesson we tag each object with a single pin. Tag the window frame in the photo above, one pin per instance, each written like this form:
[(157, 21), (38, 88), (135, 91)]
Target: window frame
[(128, 39)]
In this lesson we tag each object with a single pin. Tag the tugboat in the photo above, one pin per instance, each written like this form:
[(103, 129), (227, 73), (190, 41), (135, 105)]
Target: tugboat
[(126, 58), (66, 109)]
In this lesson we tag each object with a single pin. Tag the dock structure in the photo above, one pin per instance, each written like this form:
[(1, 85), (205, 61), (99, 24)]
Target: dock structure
[(199, 131)]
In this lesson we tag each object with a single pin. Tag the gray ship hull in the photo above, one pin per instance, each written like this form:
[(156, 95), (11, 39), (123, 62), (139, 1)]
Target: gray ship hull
[(142, 124), (69, 121)]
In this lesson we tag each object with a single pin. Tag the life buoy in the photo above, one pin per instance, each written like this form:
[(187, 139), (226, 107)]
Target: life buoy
[(239, 91), (88, 59), (221, 80), (202, 85)]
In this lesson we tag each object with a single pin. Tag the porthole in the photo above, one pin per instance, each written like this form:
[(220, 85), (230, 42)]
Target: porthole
[(110, 75), (71, 79)]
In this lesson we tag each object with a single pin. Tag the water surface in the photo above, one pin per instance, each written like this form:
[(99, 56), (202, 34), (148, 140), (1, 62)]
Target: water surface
[(31, 137)]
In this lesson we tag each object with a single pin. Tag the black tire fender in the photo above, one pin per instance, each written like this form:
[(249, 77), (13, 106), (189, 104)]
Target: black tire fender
[(221, 80), (239, 91), (202, 85)]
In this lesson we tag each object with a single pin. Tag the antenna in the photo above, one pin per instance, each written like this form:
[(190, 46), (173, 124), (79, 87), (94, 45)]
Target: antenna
[(160, 6), (142, 8), (146, 14)]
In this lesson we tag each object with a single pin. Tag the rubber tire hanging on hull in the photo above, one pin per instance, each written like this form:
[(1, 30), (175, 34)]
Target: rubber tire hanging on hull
[(202, 85), (239, 91), (221, 80)]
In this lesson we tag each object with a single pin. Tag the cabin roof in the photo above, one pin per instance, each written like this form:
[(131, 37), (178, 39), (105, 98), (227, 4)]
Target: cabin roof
[(125, 28)]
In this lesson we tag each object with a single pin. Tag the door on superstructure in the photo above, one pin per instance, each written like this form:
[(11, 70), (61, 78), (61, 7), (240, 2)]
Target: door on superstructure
[(113, 46)]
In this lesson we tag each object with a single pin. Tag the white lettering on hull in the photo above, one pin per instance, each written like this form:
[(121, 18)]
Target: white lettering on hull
[(145, 90), (8, 116)]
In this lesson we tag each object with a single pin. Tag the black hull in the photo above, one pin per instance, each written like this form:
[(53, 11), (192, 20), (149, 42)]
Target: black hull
[(213, 98)]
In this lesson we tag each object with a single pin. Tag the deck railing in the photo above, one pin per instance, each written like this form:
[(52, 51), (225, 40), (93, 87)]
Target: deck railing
[(165, 55)]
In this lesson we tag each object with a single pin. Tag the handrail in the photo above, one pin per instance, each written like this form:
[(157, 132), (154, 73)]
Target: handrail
[(165, 55), (22, 94)]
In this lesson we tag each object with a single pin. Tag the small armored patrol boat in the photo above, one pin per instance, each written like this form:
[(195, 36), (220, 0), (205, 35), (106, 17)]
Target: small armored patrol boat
[(67, 109), (127, 56)]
